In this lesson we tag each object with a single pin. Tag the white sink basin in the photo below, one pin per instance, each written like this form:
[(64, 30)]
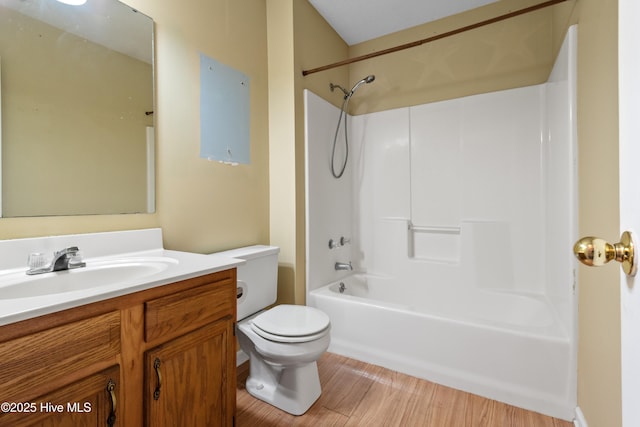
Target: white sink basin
[(95, 275)]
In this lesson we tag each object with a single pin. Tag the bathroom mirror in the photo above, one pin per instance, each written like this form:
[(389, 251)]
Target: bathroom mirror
[(77, 105)]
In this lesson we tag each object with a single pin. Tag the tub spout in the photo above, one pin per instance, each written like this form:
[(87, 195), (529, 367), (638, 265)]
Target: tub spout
[(343, 266)]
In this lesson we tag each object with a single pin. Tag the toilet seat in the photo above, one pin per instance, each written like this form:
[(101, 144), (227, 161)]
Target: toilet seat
[(288, 323)]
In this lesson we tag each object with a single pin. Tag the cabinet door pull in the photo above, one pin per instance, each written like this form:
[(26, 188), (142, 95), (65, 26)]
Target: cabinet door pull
[(111, 419), (156, 366)]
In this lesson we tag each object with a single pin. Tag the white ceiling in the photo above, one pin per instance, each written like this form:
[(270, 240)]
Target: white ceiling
[(357, 21)]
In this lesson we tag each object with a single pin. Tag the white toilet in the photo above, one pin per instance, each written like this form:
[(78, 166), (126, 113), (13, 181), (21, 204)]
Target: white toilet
[(284, 342)]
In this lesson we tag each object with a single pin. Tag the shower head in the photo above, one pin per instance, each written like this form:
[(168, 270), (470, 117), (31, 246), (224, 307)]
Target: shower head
[(367, 79), (349, 94)]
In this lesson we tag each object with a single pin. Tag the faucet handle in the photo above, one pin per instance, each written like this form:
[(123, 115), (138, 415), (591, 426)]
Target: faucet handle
[(36, 260), (75, 260)]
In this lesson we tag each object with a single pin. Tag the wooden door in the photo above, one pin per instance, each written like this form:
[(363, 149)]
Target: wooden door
[(188, 380), (89, 402)]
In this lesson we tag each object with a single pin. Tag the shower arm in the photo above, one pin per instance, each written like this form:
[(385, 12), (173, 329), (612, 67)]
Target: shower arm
[(332, 87)]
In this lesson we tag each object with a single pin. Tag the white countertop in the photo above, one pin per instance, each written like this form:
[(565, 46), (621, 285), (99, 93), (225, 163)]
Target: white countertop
[(184, 265)]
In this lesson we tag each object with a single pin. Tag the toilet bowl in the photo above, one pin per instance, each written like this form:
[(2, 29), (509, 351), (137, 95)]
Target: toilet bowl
[(283, 343), (282, 361)]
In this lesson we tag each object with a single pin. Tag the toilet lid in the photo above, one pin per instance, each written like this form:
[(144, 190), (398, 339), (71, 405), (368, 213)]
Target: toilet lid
[(291, 323)]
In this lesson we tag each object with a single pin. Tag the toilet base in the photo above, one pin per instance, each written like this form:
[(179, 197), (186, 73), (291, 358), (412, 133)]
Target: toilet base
[(293, 389)]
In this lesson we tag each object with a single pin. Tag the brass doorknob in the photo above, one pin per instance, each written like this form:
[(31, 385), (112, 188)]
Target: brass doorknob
[(594, 252)]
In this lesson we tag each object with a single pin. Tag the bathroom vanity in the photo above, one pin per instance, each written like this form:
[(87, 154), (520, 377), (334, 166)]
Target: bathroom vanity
[(162, 355)]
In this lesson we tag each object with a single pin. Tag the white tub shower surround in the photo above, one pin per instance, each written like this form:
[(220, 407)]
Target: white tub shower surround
[(461, 216)]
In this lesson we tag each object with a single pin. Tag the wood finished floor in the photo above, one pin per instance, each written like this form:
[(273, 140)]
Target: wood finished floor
[(355, 393)]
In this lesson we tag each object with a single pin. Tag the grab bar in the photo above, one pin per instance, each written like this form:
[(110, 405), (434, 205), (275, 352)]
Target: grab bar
[(434, 229)]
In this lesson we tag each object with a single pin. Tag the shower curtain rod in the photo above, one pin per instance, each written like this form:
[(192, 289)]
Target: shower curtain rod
[(433, 38)]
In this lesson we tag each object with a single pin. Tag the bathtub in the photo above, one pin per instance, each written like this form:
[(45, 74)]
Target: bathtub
[(501, 345)]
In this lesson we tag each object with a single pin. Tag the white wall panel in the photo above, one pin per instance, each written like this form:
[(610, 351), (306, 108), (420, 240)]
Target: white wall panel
[(381, 176), (329, 200), (436, 164)]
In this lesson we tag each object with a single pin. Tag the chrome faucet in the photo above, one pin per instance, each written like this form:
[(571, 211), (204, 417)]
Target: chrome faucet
[(343, 266), (65, 259)]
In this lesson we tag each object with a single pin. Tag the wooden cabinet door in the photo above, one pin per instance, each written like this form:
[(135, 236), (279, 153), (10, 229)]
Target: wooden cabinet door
[(187, 380), (89, 402)]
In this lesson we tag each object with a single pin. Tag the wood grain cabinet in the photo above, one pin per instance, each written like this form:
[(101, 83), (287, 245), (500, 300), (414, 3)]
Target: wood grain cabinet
[(186, 380), (88, 402), (161, 357)]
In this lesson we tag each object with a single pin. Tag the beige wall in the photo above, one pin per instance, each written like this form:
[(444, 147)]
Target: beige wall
[(282, 150), (202, 206), (512, 53), (317, 44), (599, 366)]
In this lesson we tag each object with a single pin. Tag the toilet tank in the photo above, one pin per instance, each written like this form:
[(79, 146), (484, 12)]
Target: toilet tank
[(257, 278)]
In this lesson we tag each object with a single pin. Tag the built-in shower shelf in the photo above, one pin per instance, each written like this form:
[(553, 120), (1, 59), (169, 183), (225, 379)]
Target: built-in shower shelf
[(434, 243)]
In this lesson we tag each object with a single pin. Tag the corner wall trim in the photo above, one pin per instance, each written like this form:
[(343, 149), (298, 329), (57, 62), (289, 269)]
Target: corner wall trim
[(580, 420)]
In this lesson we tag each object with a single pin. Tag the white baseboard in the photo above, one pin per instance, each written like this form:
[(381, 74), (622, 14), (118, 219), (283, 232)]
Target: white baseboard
[(580, 420), (242, 357)]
